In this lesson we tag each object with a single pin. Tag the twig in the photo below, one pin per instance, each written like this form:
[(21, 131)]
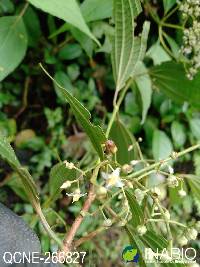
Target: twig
[(68, 240), (25, 97), (89, 236)]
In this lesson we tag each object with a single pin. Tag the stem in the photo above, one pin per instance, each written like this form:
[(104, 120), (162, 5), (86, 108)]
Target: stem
[(163, 42), (116, 108), (170, 238), (170, 221), (162, 162), (169, 25), (89, 236), (68, 240), (170, 13)]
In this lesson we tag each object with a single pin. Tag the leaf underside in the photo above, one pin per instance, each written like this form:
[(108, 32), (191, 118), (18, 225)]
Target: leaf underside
[(127, 50)]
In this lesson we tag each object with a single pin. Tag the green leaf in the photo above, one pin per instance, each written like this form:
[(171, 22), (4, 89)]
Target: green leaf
[(63, 80), (83, 116), (137, 242), (157, 53), (154, 241), (157, 242), (170, 77), (178, 134), (194, 183), (123, 140), (32, 24), (58, 175), (96, 9), (162, 146), (68, 10), (168, 4), (137, 212), (85, 42), (13, 44), (195, 127), (7, 153), (143, 82), (70, 51), (127, 50)]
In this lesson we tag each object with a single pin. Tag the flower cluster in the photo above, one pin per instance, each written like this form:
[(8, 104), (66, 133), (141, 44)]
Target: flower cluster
[(191, 37)]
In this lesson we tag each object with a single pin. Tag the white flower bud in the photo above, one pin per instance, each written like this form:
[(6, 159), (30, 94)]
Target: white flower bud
[(172, 181), (66, 185), (141, 229), (69, 165), (127, 168), (122, 223), (101, 191), (134, 162), (191, 234), (107, 223), (182, 193), (171, 170), (139, 194)]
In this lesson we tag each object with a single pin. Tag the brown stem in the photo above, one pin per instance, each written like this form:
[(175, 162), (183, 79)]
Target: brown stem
[(91, 235), (68, 240)]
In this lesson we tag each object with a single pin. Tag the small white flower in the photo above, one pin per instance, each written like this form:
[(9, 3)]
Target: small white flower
[(107, 223), (69, 165), (182, 193), (65, 185), (172, 181), (139, 194), (182, 240), (191, 234), (141, 229), (76, 195), (113, 179)]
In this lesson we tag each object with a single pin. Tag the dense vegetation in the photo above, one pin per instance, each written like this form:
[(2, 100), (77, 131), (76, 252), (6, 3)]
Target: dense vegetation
[(136, 70)]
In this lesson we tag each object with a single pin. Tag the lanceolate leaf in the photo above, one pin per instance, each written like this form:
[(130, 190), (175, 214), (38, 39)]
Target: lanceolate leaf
[(137, 213), (13, 44), (68, 10), (127, 50), (123, 140), (8, 154), (96, 9), (143, 82), (95, 133), (170, 77)]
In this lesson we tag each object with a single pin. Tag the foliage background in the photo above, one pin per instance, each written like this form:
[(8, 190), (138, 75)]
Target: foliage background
[(43, 129)]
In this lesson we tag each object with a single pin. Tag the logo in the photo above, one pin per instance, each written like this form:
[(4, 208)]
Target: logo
[(130, 254)]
